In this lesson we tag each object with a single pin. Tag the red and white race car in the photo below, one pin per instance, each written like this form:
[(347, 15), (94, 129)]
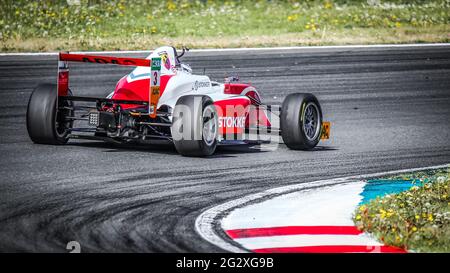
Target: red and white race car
[(161, 100)]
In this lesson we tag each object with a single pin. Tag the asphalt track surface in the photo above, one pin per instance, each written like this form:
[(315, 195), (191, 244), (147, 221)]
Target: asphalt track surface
[(389, 108)]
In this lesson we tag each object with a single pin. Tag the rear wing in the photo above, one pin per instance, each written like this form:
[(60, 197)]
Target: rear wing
[(154, 65)]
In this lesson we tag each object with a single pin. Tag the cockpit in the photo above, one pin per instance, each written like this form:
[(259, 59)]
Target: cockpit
[(170, 59)]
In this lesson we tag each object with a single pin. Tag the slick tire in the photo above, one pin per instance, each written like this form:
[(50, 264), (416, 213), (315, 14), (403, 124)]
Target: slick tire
[(301, 121), (195, 126), (46, 125)]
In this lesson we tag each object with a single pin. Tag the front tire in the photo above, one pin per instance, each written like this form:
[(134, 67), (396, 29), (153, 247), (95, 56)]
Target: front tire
[(301, 121), (195, 126), (46, 125)]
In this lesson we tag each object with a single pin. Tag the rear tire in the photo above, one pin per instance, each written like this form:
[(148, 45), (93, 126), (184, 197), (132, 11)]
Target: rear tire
[(195, 126), (301, 121), (44, 124)]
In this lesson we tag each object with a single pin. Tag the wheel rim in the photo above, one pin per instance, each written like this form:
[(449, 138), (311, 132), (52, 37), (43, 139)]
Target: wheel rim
[(63, 124), (311, 121), (209, 125)]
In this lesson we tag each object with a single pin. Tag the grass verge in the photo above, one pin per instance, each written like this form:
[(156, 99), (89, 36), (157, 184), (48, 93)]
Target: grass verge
[(417, 220), (144, 24)]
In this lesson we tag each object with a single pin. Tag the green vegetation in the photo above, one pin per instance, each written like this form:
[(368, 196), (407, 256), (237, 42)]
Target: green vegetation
[(143, 24), (417, 219)]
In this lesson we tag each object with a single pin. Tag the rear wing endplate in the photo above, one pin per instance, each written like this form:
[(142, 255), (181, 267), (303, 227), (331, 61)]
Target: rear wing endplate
[(154, 64)]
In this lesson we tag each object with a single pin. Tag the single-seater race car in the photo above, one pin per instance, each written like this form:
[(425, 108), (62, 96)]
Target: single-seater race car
[(161, 100)]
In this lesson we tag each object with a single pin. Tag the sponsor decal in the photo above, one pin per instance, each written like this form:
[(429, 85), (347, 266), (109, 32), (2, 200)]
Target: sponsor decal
[(103, 59), (156, 64), (62, 65), (165, 60), (198, 85), (232, 122), (111, 60)]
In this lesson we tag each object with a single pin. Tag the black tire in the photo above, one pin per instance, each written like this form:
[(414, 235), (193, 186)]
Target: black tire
[(292, 121), (44, 125), (187, 126)]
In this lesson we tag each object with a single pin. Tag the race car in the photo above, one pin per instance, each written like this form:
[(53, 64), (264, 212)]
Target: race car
[(161, 100)]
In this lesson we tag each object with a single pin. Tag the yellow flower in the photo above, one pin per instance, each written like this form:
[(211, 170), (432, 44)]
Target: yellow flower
[(430, 217), (292, 18), (328, 5), (154, 29), (417, 217), (171, 6), (414, 229), (362, 208), (398, 24), (358, 217), (383, 213)]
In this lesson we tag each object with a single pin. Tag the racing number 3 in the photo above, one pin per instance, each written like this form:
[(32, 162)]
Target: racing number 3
[(155, 78), (155, 71)]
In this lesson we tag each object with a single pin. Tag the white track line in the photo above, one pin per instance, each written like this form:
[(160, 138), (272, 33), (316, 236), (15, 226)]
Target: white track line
[(307, 240), (206, 222), (236, 49), (325, 206)]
